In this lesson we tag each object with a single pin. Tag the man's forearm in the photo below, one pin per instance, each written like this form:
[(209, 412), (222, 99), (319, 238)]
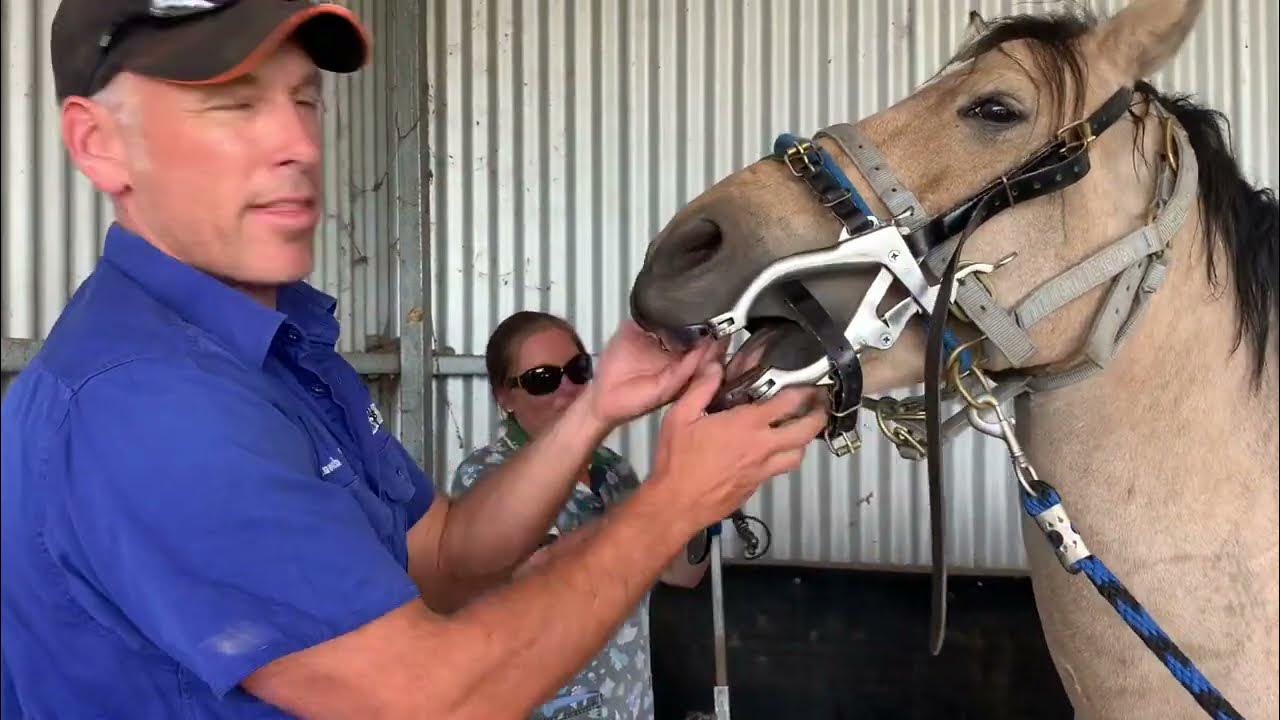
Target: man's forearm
[(525, 639), (499, 656), (499, 522)]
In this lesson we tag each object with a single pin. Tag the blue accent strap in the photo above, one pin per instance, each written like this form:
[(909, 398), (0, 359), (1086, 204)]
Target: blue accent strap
[(1138, 619), (821, 159), (949, 344)]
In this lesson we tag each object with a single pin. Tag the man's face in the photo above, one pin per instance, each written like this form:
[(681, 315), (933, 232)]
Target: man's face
[(227, 177)]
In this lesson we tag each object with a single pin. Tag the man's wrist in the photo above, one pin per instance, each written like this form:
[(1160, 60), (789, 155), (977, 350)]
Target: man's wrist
[(586, 413), (653, 500)]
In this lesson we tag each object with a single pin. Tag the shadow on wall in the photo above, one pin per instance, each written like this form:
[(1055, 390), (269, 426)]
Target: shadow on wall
[(828, 644)]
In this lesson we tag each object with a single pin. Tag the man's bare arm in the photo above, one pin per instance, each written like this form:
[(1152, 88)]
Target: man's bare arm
[(509, 650), (526, 491), (498, 657)]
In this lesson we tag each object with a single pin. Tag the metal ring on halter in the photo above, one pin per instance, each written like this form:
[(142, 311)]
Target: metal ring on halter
[(953, 369), (898, 435)]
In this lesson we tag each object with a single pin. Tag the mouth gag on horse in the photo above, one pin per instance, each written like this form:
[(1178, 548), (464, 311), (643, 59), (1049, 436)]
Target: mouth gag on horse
[(921, 253)]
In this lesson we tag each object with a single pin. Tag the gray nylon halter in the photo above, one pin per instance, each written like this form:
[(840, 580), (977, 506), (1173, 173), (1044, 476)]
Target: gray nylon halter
[(1135, 265)]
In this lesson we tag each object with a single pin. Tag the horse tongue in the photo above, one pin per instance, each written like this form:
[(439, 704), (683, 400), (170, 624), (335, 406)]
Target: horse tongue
[(780, 344)]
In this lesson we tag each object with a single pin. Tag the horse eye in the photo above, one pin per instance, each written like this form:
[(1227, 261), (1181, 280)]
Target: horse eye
[(993, 111)]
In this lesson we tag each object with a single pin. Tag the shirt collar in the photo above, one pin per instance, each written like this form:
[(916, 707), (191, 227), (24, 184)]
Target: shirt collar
[(312, 311), (245, 327)]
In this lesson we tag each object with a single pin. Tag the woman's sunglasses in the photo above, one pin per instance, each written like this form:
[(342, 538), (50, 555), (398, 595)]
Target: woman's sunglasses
[(545, 379)]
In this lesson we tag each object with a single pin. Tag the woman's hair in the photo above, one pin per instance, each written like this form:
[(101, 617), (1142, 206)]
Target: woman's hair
[(499, 353)]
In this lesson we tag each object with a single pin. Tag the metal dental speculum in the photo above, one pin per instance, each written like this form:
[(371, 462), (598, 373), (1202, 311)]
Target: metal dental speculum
[(883, 246)]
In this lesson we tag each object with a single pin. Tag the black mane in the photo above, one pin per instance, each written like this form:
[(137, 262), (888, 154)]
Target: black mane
[(1241, 219)]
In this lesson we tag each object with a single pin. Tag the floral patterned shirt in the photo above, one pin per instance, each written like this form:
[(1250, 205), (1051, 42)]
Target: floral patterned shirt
[(617, 683)]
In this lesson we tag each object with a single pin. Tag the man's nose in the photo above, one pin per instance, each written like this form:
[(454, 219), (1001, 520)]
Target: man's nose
[(296, 134)]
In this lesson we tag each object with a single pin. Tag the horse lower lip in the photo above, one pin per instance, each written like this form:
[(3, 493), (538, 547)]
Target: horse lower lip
[(679, 339)]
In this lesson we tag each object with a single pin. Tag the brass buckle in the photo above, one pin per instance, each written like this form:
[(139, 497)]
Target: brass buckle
[(801, 150), (1083, 135), (1170, 147), (845, 442)]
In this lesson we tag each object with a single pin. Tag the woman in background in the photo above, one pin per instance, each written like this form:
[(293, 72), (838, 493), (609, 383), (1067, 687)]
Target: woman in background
[(537, 365)]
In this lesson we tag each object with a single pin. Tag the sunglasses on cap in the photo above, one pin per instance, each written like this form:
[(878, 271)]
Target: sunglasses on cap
[(155, 11), (545, 379)]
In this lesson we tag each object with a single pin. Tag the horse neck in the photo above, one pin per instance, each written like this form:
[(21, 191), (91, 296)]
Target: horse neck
[(1178, 409), (1167, 464)]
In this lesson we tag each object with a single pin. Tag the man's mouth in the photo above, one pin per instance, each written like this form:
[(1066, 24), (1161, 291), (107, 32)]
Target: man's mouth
[(298, 212)]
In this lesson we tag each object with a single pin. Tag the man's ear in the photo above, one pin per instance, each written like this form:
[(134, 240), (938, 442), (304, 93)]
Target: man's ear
[(94, 140), (1145, 35)]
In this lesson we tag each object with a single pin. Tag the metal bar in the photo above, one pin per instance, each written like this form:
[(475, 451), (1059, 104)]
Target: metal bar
[(17, 353), (374, 363), (407, 24), (717, 622)]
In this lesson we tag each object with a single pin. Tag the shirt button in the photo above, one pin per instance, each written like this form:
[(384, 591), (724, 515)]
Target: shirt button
[(318, 389), (294, 335)]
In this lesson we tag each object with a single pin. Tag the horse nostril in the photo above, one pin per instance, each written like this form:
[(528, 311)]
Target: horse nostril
[(691, 245)]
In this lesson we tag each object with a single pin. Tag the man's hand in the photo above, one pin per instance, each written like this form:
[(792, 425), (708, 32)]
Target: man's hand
[(635, 375), (708, 465)]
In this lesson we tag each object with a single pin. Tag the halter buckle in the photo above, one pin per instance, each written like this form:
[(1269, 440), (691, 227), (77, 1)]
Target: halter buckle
[(800, 150), (1078, 134), (842, 442), (1170, 144)]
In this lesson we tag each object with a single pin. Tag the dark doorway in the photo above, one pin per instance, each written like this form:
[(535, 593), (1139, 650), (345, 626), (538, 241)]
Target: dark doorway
[(820, 643)]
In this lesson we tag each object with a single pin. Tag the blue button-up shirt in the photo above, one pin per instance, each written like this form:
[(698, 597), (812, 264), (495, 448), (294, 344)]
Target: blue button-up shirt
[(193, 485)]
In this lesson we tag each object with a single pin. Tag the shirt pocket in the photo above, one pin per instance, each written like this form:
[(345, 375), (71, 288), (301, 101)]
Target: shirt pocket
[(393, 479)]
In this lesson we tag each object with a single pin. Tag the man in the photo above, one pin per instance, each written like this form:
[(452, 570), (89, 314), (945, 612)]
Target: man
[(202, 517)]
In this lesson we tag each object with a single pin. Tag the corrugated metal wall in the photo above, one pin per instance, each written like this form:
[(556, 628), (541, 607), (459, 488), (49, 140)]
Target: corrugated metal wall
[(53, 220), (564, 134)]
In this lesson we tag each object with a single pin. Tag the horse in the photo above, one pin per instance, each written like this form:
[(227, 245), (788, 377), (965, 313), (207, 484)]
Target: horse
[(1166, 450)]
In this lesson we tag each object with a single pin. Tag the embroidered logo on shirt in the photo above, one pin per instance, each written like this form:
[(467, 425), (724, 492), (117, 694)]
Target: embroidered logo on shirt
[(333, 464), (375, 418)]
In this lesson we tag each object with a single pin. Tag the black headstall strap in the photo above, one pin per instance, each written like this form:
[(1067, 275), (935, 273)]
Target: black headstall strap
[(1056, 166), (812, 164), (846, 393)]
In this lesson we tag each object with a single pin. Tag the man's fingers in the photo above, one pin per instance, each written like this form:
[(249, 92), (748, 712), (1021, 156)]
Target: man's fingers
[(802, 430), (783, 462), (702, 388), (675, 376), (791, 402)]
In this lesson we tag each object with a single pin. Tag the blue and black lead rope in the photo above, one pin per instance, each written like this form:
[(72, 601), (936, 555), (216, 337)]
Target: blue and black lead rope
[(1137, 617)]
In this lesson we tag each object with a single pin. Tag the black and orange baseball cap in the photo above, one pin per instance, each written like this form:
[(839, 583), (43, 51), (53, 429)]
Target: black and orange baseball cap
[(195, 41)]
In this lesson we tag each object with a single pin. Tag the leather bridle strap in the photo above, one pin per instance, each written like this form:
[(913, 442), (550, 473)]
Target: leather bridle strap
[(1055, 167), (819, 171), (846, 395), (812, 164), (903, 206)]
